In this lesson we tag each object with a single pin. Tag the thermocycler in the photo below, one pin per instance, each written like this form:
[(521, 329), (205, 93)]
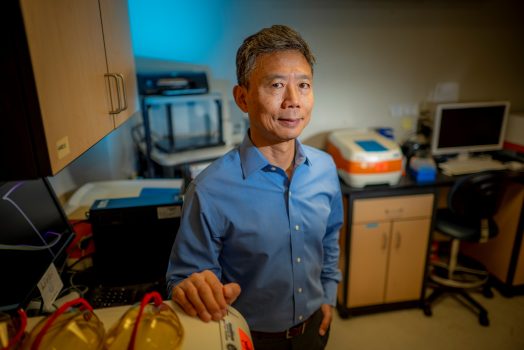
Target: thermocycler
[(364, 157)]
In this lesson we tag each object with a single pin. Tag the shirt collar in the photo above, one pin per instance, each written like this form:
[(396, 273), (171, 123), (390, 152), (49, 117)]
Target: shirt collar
[(252, 159)]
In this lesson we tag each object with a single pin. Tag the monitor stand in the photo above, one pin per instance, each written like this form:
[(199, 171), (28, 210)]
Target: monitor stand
[(463, 156)]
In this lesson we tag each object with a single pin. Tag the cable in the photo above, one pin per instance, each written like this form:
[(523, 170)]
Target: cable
[(26, 247)]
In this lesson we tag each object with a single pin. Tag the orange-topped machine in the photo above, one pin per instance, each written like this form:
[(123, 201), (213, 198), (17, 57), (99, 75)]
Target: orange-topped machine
[(364, 157)]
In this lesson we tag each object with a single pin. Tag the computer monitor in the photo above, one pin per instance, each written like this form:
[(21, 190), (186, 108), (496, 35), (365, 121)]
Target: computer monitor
[(465, 128), (34, 233)]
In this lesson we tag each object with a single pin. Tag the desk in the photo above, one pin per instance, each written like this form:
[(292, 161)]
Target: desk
[(386, 238)]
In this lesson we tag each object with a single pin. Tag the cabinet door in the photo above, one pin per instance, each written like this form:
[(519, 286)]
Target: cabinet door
[(407, 260), (368, 263), (67, 52), (120, 59)]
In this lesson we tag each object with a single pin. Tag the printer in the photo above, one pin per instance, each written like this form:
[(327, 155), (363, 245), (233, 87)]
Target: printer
[(364, 157), (172, 83)]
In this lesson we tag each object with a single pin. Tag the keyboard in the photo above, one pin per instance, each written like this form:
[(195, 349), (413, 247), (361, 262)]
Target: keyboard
[(107, 296), (113, 296), (470, 166)]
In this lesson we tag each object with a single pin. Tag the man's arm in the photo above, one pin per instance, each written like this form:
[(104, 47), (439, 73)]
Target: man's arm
[(203, 295), (194, 272), (331, 275)]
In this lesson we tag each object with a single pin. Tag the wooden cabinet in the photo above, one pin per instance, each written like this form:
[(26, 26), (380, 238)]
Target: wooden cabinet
[(385, 252), (74, 82)]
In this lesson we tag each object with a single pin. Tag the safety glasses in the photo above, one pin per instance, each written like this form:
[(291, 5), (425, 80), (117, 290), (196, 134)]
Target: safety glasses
[(72, 326), (11, 329), (147, 326), (75, 326)]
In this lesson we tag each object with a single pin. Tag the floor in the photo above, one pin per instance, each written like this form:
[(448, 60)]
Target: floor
[(452, 326)]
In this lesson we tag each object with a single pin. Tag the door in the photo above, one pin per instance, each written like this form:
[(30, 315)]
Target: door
[(68, 59), (120, 59), (368, 263), (407, 260)]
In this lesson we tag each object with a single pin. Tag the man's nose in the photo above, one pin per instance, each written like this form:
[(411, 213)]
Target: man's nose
[(291, 97)]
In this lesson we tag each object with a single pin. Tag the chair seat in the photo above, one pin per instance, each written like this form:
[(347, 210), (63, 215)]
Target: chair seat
[(464, 230)]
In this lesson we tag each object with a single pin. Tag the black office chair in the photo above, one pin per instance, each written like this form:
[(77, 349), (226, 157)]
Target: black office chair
[(472, 202)]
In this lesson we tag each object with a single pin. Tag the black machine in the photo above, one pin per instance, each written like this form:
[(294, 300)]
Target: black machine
[(133, 237)]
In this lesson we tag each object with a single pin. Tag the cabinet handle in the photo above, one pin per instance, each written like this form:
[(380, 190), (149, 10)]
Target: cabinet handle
[(399, 240), (124, 97), (384, 241), (109, 77), (394, 212)]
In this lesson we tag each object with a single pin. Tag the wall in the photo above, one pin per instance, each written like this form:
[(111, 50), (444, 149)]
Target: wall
[(113, 157), (371, 55)]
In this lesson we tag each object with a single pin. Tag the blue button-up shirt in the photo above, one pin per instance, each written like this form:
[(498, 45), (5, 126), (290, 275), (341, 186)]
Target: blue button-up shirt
[(247, 222)]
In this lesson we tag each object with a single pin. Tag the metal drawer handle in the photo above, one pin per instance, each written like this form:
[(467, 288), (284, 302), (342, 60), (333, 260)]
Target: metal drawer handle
[(109, 77), (394, 211), (124, 97)]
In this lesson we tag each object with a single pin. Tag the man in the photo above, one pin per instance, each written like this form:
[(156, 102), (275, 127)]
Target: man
[(260, 225)]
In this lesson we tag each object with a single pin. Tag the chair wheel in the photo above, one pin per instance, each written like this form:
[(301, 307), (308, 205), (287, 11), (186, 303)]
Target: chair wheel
[(483, 320), (487, 292), (343, 312), (427, 310)]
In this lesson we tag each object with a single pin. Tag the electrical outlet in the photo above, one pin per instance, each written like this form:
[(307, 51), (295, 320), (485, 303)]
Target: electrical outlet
[(403, 110), (446, 92)]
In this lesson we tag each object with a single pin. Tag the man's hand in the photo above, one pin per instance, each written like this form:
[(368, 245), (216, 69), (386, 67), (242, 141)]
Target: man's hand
[(326, 321), (203, 295)]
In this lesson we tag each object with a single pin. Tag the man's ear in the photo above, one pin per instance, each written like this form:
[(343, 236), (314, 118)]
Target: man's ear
[(240, 93)]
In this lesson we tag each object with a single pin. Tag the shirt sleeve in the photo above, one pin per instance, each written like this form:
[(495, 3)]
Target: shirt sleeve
[(331, 274), (196, 247)]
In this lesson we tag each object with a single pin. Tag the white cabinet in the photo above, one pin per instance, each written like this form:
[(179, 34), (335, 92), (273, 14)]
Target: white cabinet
[(79, 53)]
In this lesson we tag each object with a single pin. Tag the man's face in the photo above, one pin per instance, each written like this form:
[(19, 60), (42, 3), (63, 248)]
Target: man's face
[(279, 99)]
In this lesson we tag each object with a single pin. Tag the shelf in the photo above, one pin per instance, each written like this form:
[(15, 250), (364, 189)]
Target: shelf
[(189, 156)]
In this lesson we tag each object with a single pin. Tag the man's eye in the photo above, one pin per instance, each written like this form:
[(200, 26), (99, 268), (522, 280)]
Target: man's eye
[(277, 85), (304, 85)]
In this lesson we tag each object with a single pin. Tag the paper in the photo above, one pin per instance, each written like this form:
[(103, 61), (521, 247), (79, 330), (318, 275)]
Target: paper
[(50, 286)]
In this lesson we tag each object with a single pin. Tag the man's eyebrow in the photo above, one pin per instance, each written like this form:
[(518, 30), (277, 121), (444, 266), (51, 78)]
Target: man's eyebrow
[(280, 76)]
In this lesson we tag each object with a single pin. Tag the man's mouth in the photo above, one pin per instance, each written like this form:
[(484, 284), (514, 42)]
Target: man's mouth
[(289, 122)]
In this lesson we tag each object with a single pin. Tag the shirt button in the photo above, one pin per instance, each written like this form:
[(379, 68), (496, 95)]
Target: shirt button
[(298, 260), (297, 227), (300, 290), (273, 168), (300, 317)]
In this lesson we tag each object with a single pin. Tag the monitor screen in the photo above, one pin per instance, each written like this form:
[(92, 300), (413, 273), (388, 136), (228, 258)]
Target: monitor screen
[(469, 127), (34, 233)]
